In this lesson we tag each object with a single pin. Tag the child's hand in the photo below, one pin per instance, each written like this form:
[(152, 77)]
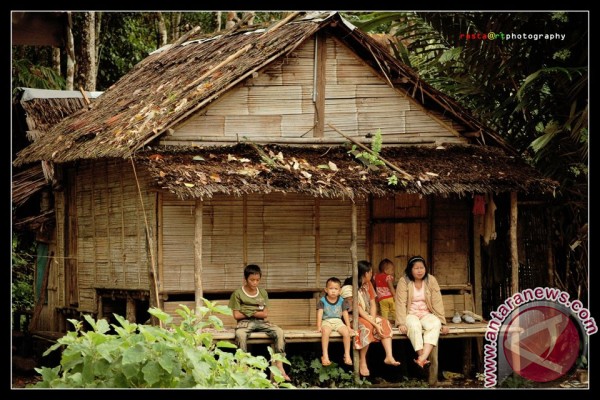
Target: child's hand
[(318, 329)]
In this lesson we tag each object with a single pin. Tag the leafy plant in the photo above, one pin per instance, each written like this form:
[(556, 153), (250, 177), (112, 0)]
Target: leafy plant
[(370, 159), (22, 274), (515, 381), (142, 356), (308, 372)]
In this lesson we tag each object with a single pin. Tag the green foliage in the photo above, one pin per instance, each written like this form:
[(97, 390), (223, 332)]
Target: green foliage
[(407, 382), (308, 372), (370, 159), (22, 273), (26, 74), (143, 356), (515, 381)]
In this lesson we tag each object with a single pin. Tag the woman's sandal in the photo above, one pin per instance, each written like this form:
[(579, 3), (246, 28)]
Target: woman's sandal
[(423, 364)]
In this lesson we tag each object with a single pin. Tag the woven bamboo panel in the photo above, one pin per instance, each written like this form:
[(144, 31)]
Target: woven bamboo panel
[(346, 122), (283, 312), (279, 236), (418, 121), (306, 50), (335, 91), (298, 71), (450, 241), (391, 124), (209, 125), (330, 74), (297, 125), (235, 102), (381, 90), (270, 100), (253, 126), (454, 302), (355, 72), (382, 105), (335, 107), (339, 51), (269, 76), (178, 245)]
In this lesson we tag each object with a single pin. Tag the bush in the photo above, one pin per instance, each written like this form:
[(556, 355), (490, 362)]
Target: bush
[(308, 372), (143, 356)]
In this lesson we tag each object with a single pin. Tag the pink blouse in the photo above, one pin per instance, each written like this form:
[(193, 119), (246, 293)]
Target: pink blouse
[(418, 306)]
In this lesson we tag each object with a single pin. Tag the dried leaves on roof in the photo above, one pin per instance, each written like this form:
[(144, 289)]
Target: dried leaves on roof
[(334, 172)]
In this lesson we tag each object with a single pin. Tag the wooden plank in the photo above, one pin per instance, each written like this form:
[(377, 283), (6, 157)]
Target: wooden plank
[(198, 126), (319, 89)]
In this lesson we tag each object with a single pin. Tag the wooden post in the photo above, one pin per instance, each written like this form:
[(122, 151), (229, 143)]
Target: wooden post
[(478, 277), (319, 84), (514, 252), (37, 310), (433, 368), (130, 309), (198, 256), (355, 285)]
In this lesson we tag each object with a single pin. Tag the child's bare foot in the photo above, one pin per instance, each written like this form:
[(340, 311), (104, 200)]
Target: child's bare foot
[(364, 371), (391, 361), (347, 360), (325, 361)]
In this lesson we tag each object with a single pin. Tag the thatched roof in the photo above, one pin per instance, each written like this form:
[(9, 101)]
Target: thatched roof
[(176, 82), (334, 172)]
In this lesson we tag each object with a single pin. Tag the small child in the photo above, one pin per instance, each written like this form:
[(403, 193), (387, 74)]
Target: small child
[(384, 285), (331, 308)]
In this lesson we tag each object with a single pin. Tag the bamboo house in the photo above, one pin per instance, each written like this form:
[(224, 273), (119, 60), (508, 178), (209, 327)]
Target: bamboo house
[(259, 145)]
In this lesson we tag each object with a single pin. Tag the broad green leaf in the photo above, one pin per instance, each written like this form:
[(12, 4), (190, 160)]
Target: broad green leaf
[(133, 355)]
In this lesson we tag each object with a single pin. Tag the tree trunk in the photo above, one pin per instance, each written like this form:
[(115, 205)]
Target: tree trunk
[(56, 59), (162, 30), (219, 13), (70, 53), (97, 44), (175, 22), (87, 64)]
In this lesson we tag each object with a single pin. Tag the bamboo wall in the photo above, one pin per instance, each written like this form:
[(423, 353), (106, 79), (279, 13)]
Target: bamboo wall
[(112, 247), (404, 227), (278, 103), (451, 241), (400, 230), (298, 241)]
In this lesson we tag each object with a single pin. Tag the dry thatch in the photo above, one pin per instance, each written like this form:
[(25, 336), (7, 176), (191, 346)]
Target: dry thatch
[(26, 183), (334, 172), (170, 85)]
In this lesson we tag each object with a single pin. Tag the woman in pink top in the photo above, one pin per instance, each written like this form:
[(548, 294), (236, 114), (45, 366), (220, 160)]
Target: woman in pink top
[(420, 309)]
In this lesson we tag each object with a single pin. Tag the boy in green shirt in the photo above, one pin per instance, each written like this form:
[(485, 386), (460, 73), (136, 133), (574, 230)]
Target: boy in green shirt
[(250, 309)]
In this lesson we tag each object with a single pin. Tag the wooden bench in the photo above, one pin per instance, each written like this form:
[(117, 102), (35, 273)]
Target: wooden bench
[(298, 319)]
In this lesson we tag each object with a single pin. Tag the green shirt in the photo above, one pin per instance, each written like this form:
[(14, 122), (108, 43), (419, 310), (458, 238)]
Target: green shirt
[(248, 305)]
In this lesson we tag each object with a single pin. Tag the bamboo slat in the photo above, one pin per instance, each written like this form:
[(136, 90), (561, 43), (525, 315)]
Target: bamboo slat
[(269, 76), (337, 106), (234, 103), (274, 100), (197, 126), (297, 71), (297, 125), (253, 126)]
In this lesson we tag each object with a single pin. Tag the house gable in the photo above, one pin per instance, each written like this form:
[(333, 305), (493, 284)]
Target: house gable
[(280, 102)]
